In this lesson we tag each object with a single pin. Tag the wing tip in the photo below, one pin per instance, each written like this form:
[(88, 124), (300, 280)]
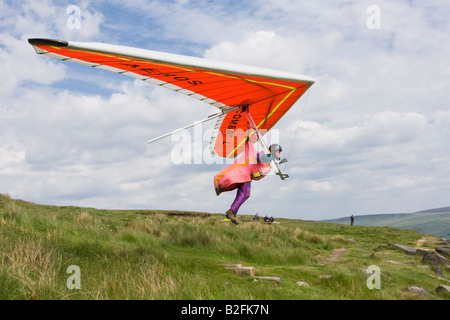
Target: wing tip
[(48, 42)]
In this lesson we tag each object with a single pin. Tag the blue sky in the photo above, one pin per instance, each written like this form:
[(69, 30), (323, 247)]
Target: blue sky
[(371, 136)]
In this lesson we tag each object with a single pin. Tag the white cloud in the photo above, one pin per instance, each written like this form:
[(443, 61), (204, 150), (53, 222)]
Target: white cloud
[(17, 61), (385, 129), (80, 22), (11, 156), (373, 137), (43, 18), (265, 48)]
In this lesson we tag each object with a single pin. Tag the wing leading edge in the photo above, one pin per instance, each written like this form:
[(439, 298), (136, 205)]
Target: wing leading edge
[(268, 93)]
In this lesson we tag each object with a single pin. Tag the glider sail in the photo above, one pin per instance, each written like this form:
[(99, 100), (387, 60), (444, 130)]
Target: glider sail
[(267, 94)]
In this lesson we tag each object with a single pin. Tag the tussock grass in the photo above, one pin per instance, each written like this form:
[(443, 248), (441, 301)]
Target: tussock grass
[(33, 266), (150, 255)]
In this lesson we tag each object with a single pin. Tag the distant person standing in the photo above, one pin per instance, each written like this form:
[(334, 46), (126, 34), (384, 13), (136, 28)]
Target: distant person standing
[(352, 219)]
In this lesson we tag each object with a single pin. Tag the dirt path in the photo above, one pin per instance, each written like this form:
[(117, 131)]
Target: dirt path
[(337, 253), (422, 241)]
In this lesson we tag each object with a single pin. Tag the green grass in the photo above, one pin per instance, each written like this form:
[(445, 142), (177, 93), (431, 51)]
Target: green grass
[(151, 255)]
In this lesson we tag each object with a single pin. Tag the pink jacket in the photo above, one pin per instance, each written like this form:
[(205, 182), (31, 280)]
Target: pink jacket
[(244, 169)]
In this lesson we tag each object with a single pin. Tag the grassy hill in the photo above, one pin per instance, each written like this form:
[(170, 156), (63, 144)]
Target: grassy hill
[(433, 221), (145, 254)]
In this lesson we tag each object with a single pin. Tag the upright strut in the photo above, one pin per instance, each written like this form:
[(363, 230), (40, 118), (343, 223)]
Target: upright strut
[(261, 140)]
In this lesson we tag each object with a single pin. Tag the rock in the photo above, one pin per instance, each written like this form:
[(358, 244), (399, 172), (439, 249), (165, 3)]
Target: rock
[(441, 288), (245, 271), (444, 251), (277, 279), (435, 258), (421, 252), (438, 271), (240, 270), (303, 284), (406, 249), (419, 290)]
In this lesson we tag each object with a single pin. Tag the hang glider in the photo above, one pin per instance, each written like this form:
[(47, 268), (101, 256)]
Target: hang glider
[(265, 94)]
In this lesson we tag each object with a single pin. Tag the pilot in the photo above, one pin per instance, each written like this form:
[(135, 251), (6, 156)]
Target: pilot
[(240, 176)]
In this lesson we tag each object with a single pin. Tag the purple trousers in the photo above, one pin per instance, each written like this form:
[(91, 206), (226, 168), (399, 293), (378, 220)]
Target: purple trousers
[(243, 193)]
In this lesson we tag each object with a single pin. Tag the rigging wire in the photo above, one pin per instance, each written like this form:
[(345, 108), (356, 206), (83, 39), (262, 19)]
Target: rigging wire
[(295, 134)]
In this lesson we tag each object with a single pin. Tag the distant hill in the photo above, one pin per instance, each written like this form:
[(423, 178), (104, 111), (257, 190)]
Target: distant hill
[(436, 210), (431, 221)]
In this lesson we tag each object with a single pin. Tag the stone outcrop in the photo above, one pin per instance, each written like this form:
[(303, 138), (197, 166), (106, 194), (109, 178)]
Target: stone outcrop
[(430, 256), (444, 251), (419, 290), (441, 288), (240, 270), (435, 258), (406, 249), (276, 279)]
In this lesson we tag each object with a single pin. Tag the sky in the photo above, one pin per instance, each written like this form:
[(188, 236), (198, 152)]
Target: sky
[(371, 136)]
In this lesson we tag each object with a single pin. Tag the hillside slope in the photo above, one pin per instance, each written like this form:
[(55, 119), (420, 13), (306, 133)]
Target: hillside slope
[(436, 221), (51, 252), (442, 209)]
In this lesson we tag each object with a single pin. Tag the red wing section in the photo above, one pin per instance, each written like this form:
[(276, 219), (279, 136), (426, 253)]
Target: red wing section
[(266, 113), (268, 98)]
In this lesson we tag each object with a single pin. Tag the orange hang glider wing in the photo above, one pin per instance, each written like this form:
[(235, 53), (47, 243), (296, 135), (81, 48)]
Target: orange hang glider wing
[(269, 94)]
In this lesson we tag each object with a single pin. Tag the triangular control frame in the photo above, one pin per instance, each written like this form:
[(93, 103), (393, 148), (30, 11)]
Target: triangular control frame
[(254, 127)]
